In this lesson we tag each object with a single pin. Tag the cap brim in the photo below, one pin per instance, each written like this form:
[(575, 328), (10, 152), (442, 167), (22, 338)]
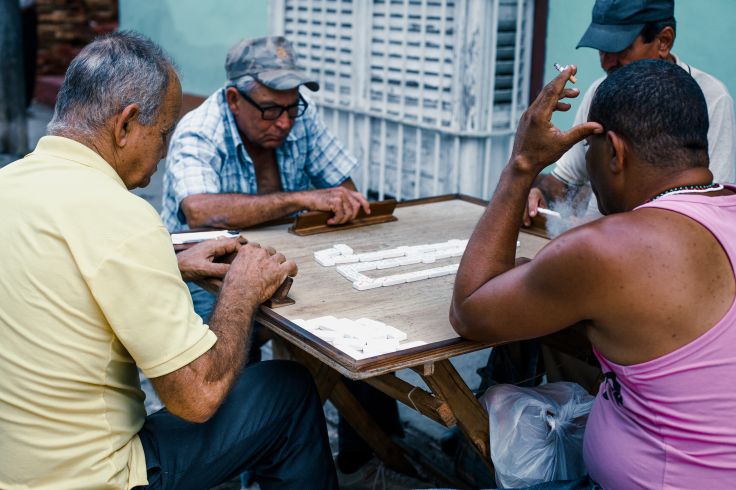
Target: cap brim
[(609, 38), (286, 80)]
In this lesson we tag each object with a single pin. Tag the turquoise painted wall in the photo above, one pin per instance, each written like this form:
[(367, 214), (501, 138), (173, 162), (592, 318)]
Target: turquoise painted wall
[(705, 36), (197, 33)]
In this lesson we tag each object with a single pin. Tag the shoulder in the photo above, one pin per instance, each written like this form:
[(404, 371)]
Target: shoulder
[(606, 245), (713, 89)]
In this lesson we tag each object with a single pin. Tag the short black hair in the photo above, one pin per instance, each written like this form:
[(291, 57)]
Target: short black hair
[(651, 29), (659, 109)]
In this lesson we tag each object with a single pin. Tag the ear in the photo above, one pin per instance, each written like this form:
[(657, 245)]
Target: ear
[(124, 122), (619, 152), (231, 96), (665, 40)]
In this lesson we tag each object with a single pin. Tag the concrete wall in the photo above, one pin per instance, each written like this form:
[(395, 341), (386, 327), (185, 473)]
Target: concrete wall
[(705, 36), (196, 33)]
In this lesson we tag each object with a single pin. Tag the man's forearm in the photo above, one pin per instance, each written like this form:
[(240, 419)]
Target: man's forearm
[(491, 250), (240, 210), (232, 322), (194, 391)]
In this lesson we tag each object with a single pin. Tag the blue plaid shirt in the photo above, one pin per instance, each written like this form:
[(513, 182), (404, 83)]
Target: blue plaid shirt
[(207, 156)]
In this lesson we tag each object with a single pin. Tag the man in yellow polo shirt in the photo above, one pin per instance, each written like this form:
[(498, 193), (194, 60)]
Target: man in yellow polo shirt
[(91, 290)]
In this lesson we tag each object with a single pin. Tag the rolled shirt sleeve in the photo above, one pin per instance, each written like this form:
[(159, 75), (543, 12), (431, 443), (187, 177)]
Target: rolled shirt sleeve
[(192, 167), (139, 289)]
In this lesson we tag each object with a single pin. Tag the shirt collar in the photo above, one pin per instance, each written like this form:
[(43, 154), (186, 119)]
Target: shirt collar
[(681, 63), (74, 151)]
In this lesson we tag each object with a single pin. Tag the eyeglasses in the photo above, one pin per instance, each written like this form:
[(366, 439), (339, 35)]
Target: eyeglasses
[(273, 112)]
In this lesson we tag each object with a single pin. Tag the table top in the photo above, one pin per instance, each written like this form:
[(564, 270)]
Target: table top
[(420, 309)]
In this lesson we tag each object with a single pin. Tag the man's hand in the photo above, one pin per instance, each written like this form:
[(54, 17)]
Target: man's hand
[(343, 202), (205, 259), (535, 201), (257, 272), (538, 142)]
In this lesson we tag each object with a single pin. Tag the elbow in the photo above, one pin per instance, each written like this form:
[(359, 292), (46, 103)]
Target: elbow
[(194, 214), (198, 215), (468, 326), (460, 323), (197, 411)]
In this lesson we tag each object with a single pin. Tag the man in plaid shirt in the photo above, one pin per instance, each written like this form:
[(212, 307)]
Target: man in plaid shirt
[(254, 151)]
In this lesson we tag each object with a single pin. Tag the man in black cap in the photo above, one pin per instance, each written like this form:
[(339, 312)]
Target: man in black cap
[(624, 31)]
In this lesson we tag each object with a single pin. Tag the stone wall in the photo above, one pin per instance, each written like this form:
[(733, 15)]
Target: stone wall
[(66, 26)]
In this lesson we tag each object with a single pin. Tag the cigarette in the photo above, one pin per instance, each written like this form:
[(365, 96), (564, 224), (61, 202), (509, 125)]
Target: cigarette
[(549, 212), (562, 68)]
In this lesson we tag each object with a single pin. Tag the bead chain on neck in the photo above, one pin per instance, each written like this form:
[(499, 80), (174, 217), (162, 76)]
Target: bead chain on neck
[(684, 189)]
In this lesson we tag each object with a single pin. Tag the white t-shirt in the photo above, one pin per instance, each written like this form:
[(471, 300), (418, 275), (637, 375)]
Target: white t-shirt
[(721, 134)]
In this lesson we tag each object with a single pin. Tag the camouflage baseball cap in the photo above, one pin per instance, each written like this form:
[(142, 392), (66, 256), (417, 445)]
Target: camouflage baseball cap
[(269, 60)]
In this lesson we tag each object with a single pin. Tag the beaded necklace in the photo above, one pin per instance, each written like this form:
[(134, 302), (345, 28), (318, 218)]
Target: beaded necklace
[(684, 189)]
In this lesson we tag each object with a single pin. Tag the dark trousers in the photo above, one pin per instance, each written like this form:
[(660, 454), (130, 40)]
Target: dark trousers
[(382, 408), (271, 425)]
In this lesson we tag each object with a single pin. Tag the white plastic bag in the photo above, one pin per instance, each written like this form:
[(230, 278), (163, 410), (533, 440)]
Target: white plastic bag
[(537, 433)]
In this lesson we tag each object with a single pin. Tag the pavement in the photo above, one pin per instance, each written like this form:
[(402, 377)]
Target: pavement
[(423, 435)]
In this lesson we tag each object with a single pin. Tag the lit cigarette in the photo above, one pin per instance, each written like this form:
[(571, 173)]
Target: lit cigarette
[(549, 212), (562, 68)]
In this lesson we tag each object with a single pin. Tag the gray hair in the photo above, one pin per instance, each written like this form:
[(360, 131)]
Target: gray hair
[(112, 72)]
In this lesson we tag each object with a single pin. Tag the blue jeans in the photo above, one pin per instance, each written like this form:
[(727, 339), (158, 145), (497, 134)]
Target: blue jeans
[(271, 424), (204, 301)]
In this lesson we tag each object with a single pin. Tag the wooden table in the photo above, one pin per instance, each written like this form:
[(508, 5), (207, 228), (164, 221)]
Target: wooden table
[(420, 309)]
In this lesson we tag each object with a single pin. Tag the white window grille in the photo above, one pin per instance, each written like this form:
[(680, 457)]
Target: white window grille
[(426, 93)]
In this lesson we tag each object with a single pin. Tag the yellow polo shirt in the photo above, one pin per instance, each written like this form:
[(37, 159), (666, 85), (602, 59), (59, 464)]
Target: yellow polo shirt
[(89, 288)]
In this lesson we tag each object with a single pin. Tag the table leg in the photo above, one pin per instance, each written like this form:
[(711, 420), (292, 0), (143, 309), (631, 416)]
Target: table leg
[(472, 419), (331, 387)]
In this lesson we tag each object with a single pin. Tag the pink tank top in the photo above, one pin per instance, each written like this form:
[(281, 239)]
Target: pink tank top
[(670, 423)]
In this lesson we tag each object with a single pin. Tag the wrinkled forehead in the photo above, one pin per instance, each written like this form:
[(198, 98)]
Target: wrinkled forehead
[(262, 93)]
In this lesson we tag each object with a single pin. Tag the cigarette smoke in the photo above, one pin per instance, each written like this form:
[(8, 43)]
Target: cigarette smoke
[(574, 212)]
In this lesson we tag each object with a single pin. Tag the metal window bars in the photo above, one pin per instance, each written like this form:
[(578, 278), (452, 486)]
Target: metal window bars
[(426, 93)]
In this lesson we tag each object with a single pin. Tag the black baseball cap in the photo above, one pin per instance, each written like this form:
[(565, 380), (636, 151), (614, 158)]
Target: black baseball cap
[(616, 23)]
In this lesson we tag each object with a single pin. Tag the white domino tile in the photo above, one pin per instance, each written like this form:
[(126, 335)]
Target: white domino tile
[(394, 280), (365, 266), (349, 273), (359, 338), (410, 260), (343, 249), (417, 276), (365, 285), (328, 251), (388, 264), (376, 347), (409, 345), (325, 260), (345, 259), (351, 265)]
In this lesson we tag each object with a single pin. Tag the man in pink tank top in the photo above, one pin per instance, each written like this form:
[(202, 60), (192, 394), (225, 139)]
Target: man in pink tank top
[(652, 279)]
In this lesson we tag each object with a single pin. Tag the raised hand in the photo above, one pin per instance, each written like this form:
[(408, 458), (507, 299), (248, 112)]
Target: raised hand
[(538, 142)]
